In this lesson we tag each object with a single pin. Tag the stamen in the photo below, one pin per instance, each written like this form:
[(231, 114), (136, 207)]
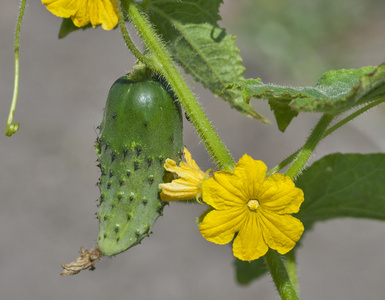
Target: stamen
[(253, 204)]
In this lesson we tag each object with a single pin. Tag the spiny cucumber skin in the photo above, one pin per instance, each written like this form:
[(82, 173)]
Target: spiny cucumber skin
[(141, 128)]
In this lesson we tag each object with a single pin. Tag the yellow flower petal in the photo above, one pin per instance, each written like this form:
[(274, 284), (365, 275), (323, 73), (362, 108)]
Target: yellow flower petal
[(190, 161), (63, 8), (219, 192), (103, 12), (252, 173), (249, 243), (188, 170), (281, 195), (189, 183), (179, 189), (280, 232), (256, 208), (82, 16), (220, 226), (82, 12)]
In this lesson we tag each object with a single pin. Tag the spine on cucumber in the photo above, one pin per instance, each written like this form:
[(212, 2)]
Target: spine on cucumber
[(141, 128)]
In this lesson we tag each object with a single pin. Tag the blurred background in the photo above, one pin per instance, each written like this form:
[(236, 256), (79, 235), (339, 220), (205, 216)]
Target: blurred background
[(48, 170)]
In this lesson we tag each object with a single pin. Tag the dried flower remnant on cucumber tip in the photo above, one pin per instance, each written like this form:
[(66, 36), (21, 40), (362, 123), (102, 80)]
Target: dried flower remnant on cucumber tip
[(86, 260)]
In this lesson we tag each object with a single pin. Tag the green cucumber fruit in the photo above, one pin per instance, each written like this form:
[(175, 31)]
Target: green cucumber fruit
[(141, 128)]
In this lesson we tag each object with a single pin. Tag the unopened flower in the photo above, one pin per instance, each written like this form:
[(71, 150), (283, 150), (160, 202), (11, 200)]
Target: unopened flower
[(189, 182), (258, 209), (83, 12)]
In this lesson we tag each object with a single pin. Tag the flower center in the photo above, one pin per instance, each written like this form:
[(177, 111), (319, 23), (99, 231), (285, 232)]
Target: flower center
[(253, 204)]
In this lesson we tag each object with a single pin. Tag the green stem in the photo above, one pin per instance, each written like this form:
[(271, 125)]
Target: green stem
[(280, 275), (282, 164), (289, 159), (163, 64), (291, 267), (14, 127), (309, 147), (285, 278), (126, 36), (352, 116)]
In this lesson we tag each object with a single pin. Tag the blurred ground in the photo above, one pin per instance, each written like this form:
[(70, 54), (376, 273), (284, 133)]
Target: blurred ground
[(48, 175)]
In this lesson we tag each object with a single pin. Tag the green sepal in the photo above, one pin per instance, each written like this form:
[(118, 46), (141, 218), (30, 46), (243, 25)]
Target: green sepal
[(67, 26), (248, 271)]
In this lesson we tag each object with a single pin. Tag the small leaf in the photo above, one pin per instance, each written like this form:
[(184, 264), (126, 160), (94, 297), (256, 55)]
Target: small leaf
[(335, 92), (343, 185), (283, 114), (190, 30), (248, 271), (67, 26)]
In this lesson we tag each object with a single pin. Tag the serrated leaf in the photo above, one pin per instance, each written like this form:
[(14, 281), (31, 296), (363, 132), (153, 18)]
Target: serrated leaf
[(335, 92), (190, 30), (246, 271), (343, 185)]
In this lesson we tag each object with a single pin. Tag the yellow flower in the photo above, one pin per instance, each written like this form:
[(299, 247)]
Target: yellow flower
[(256, 208), (188, 185), (83, 12)]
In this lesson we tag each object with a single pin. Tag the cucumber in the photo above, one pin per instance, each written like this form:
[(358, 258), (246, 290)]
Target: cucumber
[(141, 127)]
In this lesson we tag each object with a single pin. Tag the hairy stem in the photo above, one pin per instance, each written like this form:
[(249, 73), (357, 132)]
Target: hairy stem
[(309, 147), (14, 127), (333, 128), (127, 38), (280, 275), (291, 267), (352, 116), (163, 64)]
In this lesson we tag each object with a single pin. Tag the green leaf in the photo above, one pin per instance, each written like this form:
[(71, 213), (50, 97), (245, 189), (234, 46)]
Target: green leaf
[(343, 185), (248, 271), (283, 114), (67, 26), (335, 92), (192, 35)]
